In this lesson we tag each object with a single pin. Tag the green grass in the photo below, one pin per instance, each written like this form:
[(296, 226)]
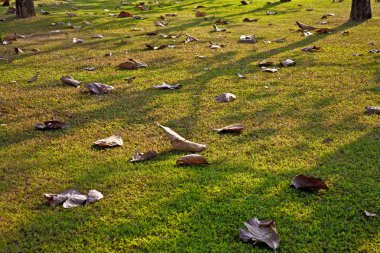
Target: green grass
[(157, 206)]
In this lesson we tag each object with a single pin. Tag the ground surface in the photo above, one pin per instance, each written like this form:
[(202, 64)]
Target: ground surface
[(157, 206)]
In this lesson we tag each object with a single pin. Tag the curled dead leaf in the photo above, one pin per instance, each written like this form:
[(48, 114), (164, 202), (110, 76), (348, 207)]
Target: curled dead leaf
[(304, 27), (220, 21), (112, 141), (288, 63), (190, 38), (132, 65), (248, 39), (311, 49), (139, 157), (217, 29), (192, 159), (33, 78), (73, 198), (250, 19), (150, 47), (243, 2), (215, 46), (77, 40), (51, 125), (165, 86), (260, 231), (372, 110), (234, 129), (70, 81), (271, 12), (124, 14), (324, 31), (180, 143), (368, 214), (270, 70), (225, 97), (199, 14), (99, 88), (266, 63), (301, 182)]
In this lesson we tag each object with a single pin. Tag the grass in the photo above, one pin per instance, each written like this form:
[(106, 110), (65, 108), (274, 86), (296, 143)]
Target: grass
[(157, 206)]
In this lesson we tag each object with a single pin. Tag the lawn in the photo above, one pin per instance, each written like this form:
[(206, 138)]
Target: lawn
[(157, 206)]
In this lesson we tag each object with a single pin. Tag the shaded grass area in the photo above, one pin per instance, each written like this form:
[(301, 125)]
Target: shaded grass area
[(160, 207)]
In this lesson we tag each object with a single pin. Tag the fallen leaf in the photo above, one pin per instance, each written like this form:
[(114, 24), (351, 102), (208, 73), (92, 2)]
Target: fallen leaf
[(155, 47), (199, 14), (243, 2), (171, 14), (112, 141), (161, 24), (327, 15), (302, 182), (248, 39), (33, 78), (287, 63), (215, 46), (225, 97), (324, 31), (130, 79), (190, 38), (99, 88), (241, 76), (260, 231), (199, 7), (124, 14), (250, 19), (136, 29), (51, 125), (221, 22), (217, 29), (270, 70), (139, 157), (180, 143), (97, 36), (42, 12), (266, 63), (192, 159), (77, 40), (306, 33), (89, 68), (311, 49), (70, 81), (165, 86), (71, 14), (18, 50), (73, 198), (374, 51), (372, 110), (304, 27), (132, 64), (280, 40), (271, 12), (234, 129), (368, 214)]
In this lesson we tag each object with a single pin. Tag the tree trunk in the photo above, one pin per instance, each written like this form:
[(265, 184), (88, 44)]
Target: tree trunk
[(360, 10), (25, 9)]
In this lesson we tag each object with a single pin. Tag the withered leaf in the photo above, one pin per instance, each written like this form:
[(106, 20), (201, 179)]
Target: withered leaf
[(199, 7), (250, 19), (234, 129), (73, 198), (165, 86), (130, 79), (139, 157), (225, 97), (215, 46), (327, 15), (193, 159), (304, 27), (71, 14), (150, 47), (70, 81), (248, 39), (99, 88), (368, 214), (311, 49), (97, 36), (374, 51), (171, 14), (161, 24), (33, 78), (260, 231), (217, 29), (372, 110), (112, 141), (243, 2), (190, 38), (132, 64), (18, 50), (89, 68), (266, 63), (270, 70), (51, 125), (271, 12), (124, 14), (302, 182), (221, 22), (288, 63), (324, 31), (199, 14), (42, 12), (78, 40), (180, 143), (241, 76)]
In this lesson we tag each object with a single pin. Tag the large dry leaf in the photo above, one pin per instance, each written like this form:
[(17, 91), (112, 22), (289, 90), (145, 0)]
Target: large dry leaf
[(124, 14), (302, 182), (165, 86), (324, 31), (199, 14), (215, 46), (193, 159), (77, 40), (73, 198), (217, 29), (235, 129), (311, 49), (51, 125), (372, 109), (250, 19), (260, 231), (112, 141), (287, 63), (70, 81), (270, 70), (248, 39), (33, 78), (225, 97), (271, 12), (266, 63), (150, 47), (190, 38), (368, 214), (304, 27), (139, 157), (220, 21), (99, 88), (243, 2), (132, 65), (180, 143)]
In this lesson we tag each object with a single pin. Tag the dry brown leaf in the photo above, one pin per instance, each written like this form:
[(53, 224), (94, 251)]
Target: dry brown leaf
[(199, 14), (243, 2), (190, 38), (221, 22), (234, 129), (73, 198), (324, 31), (301, 182), (304, 27), (248, 39), (288, 63), (51, 125), (33, 78), (180, 143), (132, 64), (139, 157), (99, 88), (70, 81), (193, 159), (112, 141), (311, 49), (260, 231), (217, 29), (165, 86), (372, 109), (250, 19), (124, 14)]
